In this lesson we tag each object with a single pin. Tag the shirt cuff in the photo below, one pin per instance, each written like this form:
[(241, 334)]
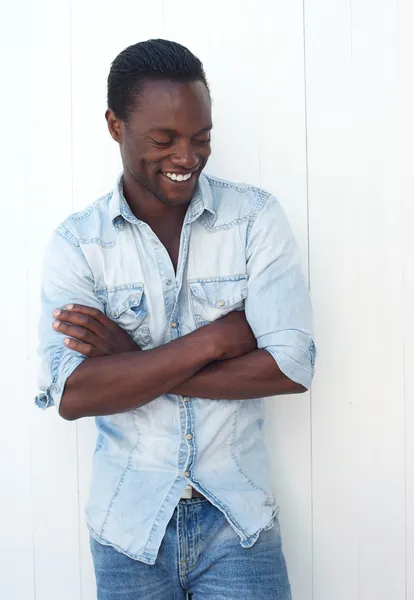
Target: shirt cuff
[(52, 395), (294, 352)]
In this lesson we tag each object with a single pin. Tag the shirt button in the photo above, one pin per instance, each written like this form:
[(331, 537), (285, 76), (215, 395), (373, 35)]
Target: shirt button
[(168, 282), (185, 399), (222, 303), (189, 436), (116, 313), (187, 474), (174, 325), (154, 241)]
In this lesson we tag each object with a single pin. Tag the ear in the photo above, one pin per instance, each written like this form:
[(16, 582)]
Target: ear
[(114, 125)]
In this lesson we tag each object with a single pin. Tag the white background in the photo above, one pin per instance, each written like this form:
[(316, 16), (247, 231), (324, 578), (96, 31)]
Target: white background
[(313, 101)]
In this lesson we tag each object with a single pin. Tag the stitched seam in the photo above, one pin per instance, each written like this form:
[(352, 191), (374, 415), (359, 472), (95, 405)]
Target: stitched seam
[(224, 279), (122, 478), (80, 215), (157, 518), (239, 188), (144, 557), (182, 563), (68, 235), (232, 454), (55, 373), (223, 507), (258, 208), (105, 245)]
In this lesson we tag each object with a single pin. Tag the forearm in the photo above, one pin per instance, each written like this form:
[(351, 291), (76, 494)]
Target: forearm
[(119, 383), (254, 375)]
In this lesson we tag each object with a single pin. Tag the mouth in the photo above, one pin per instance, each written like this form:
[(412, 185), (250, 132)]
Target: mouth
[(179, 178)]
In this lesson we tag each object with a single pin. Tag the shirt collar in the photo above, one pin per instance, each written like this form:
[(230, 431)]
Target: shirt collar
[(202, 201)]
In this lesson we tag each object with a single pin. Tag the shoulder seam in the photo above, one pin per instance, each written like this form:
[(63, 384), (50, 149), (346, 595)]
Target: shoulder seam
[(64, 232), (84, 214), (255, 213), (242, 188)]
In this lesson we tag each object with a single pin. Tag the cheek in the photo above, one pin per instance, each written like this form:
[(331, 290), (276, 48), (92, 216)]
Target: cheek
[(206, 153), (135, 153)]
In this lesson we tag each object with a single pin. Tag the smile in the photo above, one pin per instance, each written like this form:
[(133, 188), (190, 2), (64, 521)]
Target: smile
[(179, 178)]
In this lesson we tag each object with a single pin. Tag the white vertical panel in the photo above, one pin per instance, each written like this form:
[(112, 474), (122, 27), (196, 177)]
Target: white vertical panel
[(356, 277), (99, 34), (278, 54), (49, 187), (16, 560), (218, 34), (332, 214), (379, 280), (406, 180)]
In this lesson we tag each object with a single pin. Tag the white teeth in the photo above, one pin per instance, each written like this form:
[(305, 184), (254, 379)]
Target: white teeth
[(179, 177)]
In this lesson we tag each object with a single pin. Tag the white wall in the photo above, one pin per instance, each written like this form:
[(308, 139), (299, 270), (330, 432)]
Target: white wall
[(314, 101)]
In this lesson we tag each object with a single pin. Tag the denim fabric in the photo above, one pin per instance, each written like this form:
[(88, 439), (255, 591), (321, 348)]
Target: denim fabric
[(200, 554), (236, 252)]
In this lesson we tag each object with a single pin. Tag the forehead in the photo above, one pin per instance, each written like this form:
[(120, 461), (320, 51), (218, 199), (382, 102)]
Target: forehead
[(172, 105)]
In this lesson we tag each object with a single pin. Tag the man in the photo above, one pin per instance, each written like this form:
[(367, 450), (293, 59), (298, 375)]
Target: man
[(202, 275)]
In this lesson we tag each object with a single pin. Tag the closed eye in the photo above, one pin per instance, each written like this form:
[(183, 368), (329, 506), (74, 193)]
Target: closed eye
[(162, 144), (207, 141)]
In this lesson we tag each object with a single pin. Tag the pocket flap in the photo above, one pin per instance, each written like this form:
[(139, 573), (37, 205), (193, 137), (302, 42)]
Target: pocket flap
[(220, 292), (121, 298)]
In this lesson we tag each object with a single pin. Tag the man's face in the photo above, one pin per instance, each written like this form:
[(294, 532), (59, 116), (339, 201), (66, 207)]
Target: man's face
[(166, 142)]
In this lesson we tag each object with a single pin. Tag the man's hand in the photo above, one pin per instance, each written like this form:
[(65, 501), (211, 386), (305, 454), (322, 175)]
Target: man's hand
[(93, 332), (232, 334), (96, 335)]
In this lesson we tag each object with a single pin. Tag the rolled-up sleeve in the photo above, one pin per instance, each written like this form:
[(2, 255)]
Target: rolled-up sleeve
[(66, 279), (278, 306)]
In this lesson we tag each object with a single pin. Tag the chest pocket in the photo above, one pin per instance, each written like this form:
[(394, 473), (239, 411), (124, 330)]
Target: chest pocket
[(215, 297), (127, 307)]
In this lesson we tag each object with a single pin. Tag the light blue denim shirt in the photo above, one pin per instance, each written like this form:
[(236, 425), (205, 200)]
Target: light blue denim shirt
[(237, 252)]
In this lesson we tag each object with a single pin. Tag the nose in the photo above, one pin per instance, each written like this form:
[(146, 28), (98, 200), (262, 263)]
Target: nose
[(184, 155)]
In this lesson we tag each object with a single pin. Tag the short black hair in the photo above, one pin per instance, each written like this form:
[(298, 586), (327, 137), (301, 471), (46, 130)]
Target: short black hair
[(150, 60)]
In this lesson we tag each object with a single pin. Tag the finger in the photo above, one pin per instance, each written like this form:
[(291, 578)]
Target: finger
[(81, 319), (85, 349), (95, 313), (79, 333)]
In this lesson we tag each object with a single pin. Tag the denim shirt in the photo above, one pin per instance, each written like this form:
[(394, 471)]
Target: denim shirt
[(237, 252)]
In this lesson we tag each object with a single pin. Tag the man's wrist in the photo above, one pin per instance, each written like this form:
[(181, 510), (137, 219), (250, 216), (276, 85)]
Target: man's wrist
[(210, 343)]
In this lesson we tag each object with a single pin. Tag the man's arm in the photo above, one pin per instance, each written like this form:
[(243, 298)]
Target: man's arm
[(278, 309), (121, 382), (117, 383), (254, 375), (279, 312)]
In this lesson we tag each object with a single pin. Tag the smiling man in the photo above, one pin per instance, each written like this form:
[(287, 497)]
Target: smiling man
[(170, 308)]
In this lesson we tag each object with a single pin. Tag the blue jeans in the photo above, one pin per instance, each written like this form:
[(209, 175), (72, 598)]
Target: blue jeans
[(201, 555)]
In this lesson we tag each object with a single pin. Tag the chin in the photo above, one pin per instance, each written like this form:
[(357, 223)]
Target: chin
[(177, 197)]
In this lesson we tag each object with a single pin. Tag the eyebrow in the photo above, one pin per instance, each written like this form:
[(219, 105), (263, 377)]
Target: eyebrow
[(173, 131)]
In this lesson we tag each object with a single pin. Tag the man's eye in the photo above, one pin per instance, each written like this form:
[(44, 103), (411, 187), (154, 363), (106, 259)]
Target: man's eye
[(162, 144), (203, 141)]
